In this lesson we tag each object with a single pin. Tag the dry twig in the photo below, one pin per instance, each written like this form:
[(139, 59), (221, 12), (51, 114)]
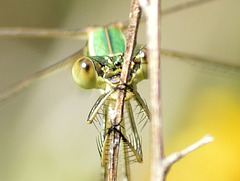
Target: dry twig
[(117, 118), (159, 164)]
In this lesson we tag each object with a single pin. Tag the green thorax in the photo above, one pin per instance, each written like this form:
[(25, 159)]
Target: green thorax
[(106, 41), (106, 46)]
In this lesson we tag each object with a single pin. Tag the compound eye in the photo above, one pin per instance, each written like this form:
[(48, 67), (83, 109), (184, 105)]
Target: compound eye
[(84, 73), (144, 62)]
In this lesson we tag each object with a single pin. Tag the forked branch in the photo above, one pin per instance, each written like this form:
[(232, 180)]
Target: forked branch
[(159, 164)]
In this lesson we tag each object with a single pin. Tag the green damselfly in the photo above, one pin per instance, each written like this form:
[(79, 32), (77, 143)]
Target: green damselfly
[(45, 140), (101, 69)]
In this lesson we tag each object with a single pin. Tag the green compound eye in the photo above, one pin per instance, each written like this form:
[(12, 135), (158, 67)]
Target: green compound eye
[(84, 73)]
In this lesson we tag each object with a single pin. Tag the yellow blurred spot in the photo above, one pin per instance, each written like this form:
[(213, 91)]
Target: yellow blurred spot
[(215, 112)]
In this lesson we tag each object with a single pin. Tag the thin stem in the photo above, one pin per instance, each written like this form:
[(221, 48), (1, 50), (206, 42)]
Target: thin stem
[(180, 7), (42, 33), (82, 33), (171, 159), (152, 12), (208, 61), (153, 35), (134, 17)]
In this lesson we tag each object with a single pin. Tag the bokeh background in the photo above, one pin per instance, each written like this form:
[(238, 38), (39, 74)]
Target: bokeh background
[(43, 129)]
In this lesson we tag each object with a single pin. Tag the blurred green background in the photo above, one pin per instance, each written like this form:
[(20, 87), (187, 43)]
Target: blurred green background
[(43, 129)]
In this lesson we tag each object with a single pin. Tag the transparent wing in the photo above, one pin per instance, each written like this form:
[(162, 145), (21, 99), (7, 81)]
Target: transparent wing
[(131, 146), (133, 121)]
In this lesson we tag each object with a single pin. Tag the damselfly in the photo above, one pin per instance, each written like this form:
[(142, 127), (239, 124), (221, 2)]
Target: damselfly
[(101, 69), (40, 140)]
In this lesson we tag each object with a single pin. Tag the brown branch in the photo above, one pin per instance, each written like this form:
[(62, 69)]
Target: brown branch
[(134, 17)]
